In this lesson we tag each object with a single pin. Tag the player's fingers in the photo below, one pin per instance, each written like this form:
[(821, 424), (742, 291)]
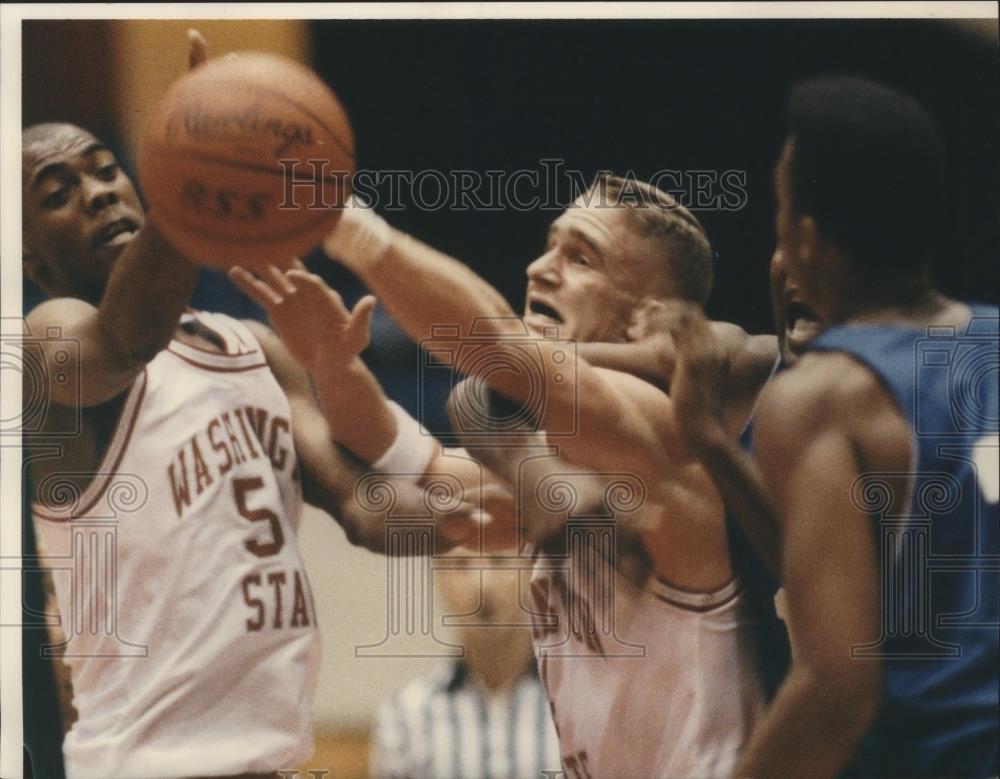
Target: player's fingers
[(492, 501), (361, 316), (254, 288), (314, 290), (297, 264), (306, 280), (197, 48), (499, 518), (459, 526), (280, 281)]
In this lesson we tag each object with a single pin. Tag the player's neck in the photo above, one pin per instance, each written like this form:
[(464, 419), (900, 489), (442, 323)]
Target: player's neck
[(871, 296)]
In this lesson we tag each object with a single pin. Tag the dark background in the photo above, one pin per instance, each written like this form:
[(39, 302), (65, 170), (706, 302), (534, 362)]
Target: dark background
[(646, 96), (640, 96)]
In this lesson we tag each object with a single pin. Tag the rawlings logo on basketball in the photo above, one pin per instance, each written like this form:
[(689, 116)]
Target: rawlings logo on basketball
[(219, 160), (201, 123)]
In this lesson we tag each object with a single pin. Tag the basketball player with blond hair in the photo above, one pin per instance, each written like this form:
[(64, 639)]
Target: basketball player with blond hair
[(686, 706)]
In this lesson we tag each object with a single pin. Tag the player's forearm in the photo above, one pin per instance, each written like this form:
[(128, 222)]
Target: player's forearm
[(741, 486), (421, 287), (363, 528), (333, 480), (356, 409), (644, 360), (362, 516), (813, 727), (144, 299)]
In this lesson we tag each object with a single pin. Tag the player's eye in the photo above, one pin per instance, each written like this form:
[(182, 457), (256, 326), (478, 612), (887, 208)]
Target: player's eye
[(108, 172), (579, 258), (56, 198)]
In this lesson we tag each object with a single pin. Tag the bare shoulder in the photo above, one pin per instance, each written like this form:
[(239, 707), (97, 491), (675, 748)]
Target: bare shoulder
[(59, 312), (823, 389)]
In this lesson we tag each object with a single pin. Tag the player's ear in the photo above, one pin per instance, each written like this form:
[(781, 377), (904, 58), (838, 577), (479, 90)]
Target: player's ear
[(31, 264), (41, 273), (647, 318)]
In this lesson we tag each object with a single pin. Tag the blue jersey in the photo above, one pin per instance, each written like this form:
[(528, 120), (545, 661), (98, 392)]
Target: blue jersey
[(769, 634), (940, 558)]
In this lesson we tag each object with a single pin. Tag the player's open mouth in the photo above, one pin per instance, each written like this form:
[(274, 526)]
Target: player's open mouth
[(116, 233), (801, 325), (543, 313)]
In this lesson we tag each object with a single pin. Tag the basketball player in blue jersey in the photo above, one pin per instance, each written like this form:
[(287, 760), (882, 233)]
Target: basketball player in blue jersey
[(878, 452)]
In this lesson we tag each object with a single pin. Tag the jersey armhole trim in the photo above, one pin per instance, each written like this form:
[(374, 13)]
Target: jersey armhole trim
[(695, 601), (108, 466), (242, 350), (218, 363)]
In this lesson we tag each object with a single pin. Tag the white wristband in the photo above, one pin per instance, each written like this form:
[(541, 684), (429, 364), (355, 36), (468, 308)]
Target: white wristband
[(361, 236), (411, 452)]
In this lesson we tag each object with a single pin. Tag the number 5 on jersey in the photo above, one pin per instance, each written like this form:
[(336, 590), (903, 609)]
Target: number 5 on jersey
[(240, 489)]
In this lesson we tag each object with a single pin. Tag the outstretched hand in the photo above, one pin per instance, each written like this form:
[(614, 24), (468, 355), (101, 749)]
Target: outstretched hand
[(308, 316), (486, 522), (700, 374)]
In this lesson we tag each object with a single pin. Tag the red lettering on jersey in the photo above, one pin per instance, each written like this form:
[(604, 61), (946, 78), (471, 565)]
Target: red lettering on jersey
[(254, 603), (201, 475), (179, 486), (219, 446), (238, 413), (241, 488), (277, 454), (579, 616), (581, 622), (257, 419), (277, 578), (238, 456), (545, 622), (576, 765), (256, 597), (300, 612)]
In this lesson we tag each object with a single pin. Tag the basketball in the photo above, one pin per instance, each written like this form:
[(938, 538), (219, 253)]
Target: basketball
[(247, 160)]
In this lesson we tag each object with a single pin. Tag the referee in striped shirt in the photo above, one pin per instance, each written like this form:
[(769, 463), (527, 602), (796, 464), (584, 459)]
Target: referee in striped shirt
[(484, 716)]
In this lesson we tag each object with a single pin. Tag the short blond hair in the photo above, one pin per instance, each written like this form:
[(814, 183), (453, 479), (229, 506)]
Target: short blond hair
[(684, 244)]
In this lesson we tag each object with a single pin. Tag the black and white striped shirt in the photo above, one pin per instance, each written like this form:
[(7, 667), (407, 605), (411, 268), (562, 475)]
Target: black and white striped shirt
[(446, 726)]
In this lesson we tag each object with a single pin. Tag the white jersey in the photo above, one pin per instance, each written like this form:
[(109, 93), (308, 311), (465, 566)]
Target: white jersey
[(191, 632), (644, 682)]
